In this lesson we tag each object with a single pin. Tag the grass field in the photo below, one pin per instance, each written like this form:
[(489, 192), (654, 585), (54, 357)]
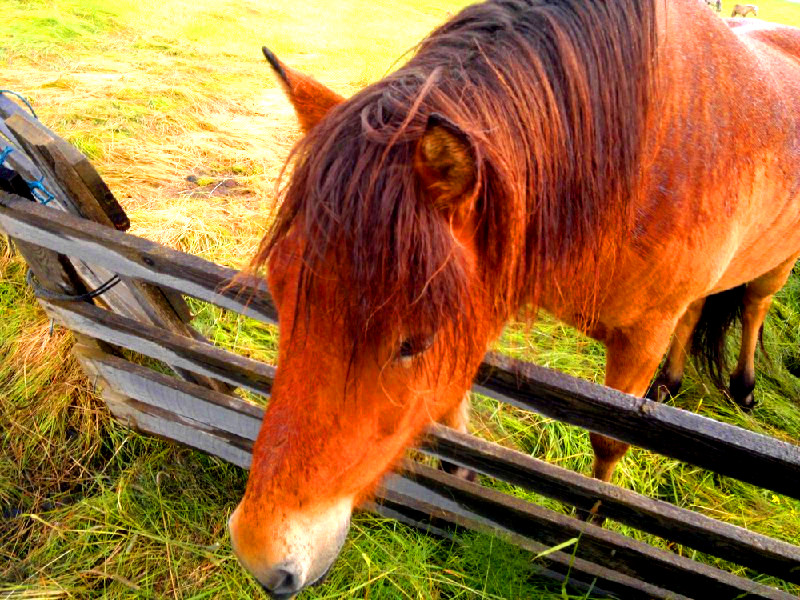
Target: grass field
[(174, 104)]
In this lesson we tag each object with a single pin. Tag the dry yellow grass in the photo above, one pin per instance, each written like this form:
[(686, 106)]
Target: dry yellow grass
[(178, 89)]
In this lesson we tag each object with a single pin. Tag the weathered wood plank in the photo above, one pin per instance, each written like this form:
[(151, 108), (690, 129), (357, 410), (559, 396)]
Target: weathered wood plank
[(42, 149), (87, 174), (119, 298), (138, 258), (223, 441), (194, 355), (54, 273), (178, 304), (159, 310), (91, 179), (182, 398), (9, 107), (596, 544), (421, 507), (57, 159), (680, 525), (723, 448), (169, 426)]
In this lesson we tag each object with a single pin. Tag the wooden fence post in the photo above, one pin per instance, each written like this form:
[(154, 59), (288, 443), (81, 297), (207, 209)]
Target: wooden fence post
[(83, 192)]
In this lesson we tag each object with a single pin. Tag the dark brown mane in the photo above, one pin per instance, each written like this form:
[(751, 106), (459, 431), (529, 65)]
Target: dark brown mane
[(554, 96)]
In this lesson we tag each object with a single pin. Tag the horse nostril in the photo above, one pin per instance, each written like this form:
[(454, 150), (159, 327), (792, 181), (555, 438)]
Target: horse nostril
[(282, 583)]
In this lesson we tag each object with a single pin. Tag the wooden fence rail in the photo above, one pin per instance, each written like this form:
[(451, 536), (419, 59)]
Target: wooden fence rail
[(147, 315), (666, 520), (136, 257), (719, 447), (725, 449), (226, 426), (193, 355), (74, 188), (660, 518)]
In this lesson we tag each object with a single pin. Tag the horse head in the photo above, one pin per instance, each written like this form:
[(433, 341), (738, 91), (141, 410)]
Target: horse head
[(371, 297)]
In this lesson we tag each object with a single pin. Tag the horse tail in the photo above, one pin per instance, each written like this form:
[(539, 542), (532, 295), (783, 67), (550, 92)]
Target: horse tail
[(720, 312)]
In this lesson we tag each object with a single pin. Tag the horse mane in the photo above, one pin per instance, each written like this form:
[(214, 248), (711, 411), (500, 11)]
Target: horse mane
[(553, 94)]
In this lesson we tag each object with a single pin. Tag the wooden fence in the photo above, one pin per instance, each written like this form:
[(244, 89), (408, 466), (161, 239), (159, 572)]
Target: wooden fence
[(77, 242)]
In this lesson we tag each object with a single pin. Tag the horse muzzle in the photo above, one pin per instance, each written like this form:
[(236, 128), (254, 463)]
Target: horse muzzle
[(288, 555)]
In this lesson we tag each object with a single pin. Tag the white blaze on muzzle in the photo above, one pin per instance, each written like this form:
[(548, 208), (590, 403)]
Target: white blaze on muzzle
[(294, 551)]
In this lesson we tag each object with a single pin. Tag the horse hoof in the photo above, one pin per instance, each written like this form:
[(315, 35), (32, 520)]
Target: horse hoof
[(663, 388), (741, 392), (747, 403), (460, 472)]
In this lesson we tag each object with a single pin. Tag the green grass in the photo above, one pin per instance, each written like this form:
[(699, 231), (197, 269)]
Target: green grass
[(155, 93)]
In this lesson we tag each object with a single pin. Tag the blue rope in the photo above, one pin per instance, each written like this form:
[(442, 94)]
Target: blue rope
[(24, 99), (4, 154), (40, 192)]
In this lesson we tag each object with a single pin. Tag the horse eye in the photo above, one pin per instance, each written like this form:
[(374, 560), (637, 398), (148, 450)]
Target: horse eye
[(412, 346)]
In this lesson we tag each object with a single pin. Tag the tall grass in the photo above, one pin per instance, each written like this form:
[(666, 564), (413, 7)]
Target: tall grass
[(173, 103)]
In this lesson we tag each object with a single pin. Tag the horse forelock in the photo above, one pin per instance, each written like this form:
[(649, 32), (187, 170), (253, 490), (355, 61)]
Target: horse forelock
[(555, 98)]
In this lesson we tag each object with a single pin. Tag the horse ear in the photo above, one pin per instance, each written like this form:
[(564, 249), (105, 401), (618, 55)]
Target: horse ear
[(445, 163), (311, 99)]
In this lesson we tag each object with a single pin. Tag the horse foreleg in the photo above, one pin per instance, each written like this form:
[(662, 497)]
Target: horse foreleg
[(668, 382), (631, 359), (458, 419), (757, 300)]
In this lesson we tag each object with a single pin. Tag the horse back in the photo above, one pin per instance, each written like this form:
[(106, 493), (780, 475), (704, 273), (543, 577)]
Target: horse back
[(731, 93), (780, 41)]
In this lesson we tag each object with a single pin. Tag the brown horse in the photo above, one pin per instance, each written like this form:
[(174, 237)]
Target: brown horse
[(744, 10), (533, 153)]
